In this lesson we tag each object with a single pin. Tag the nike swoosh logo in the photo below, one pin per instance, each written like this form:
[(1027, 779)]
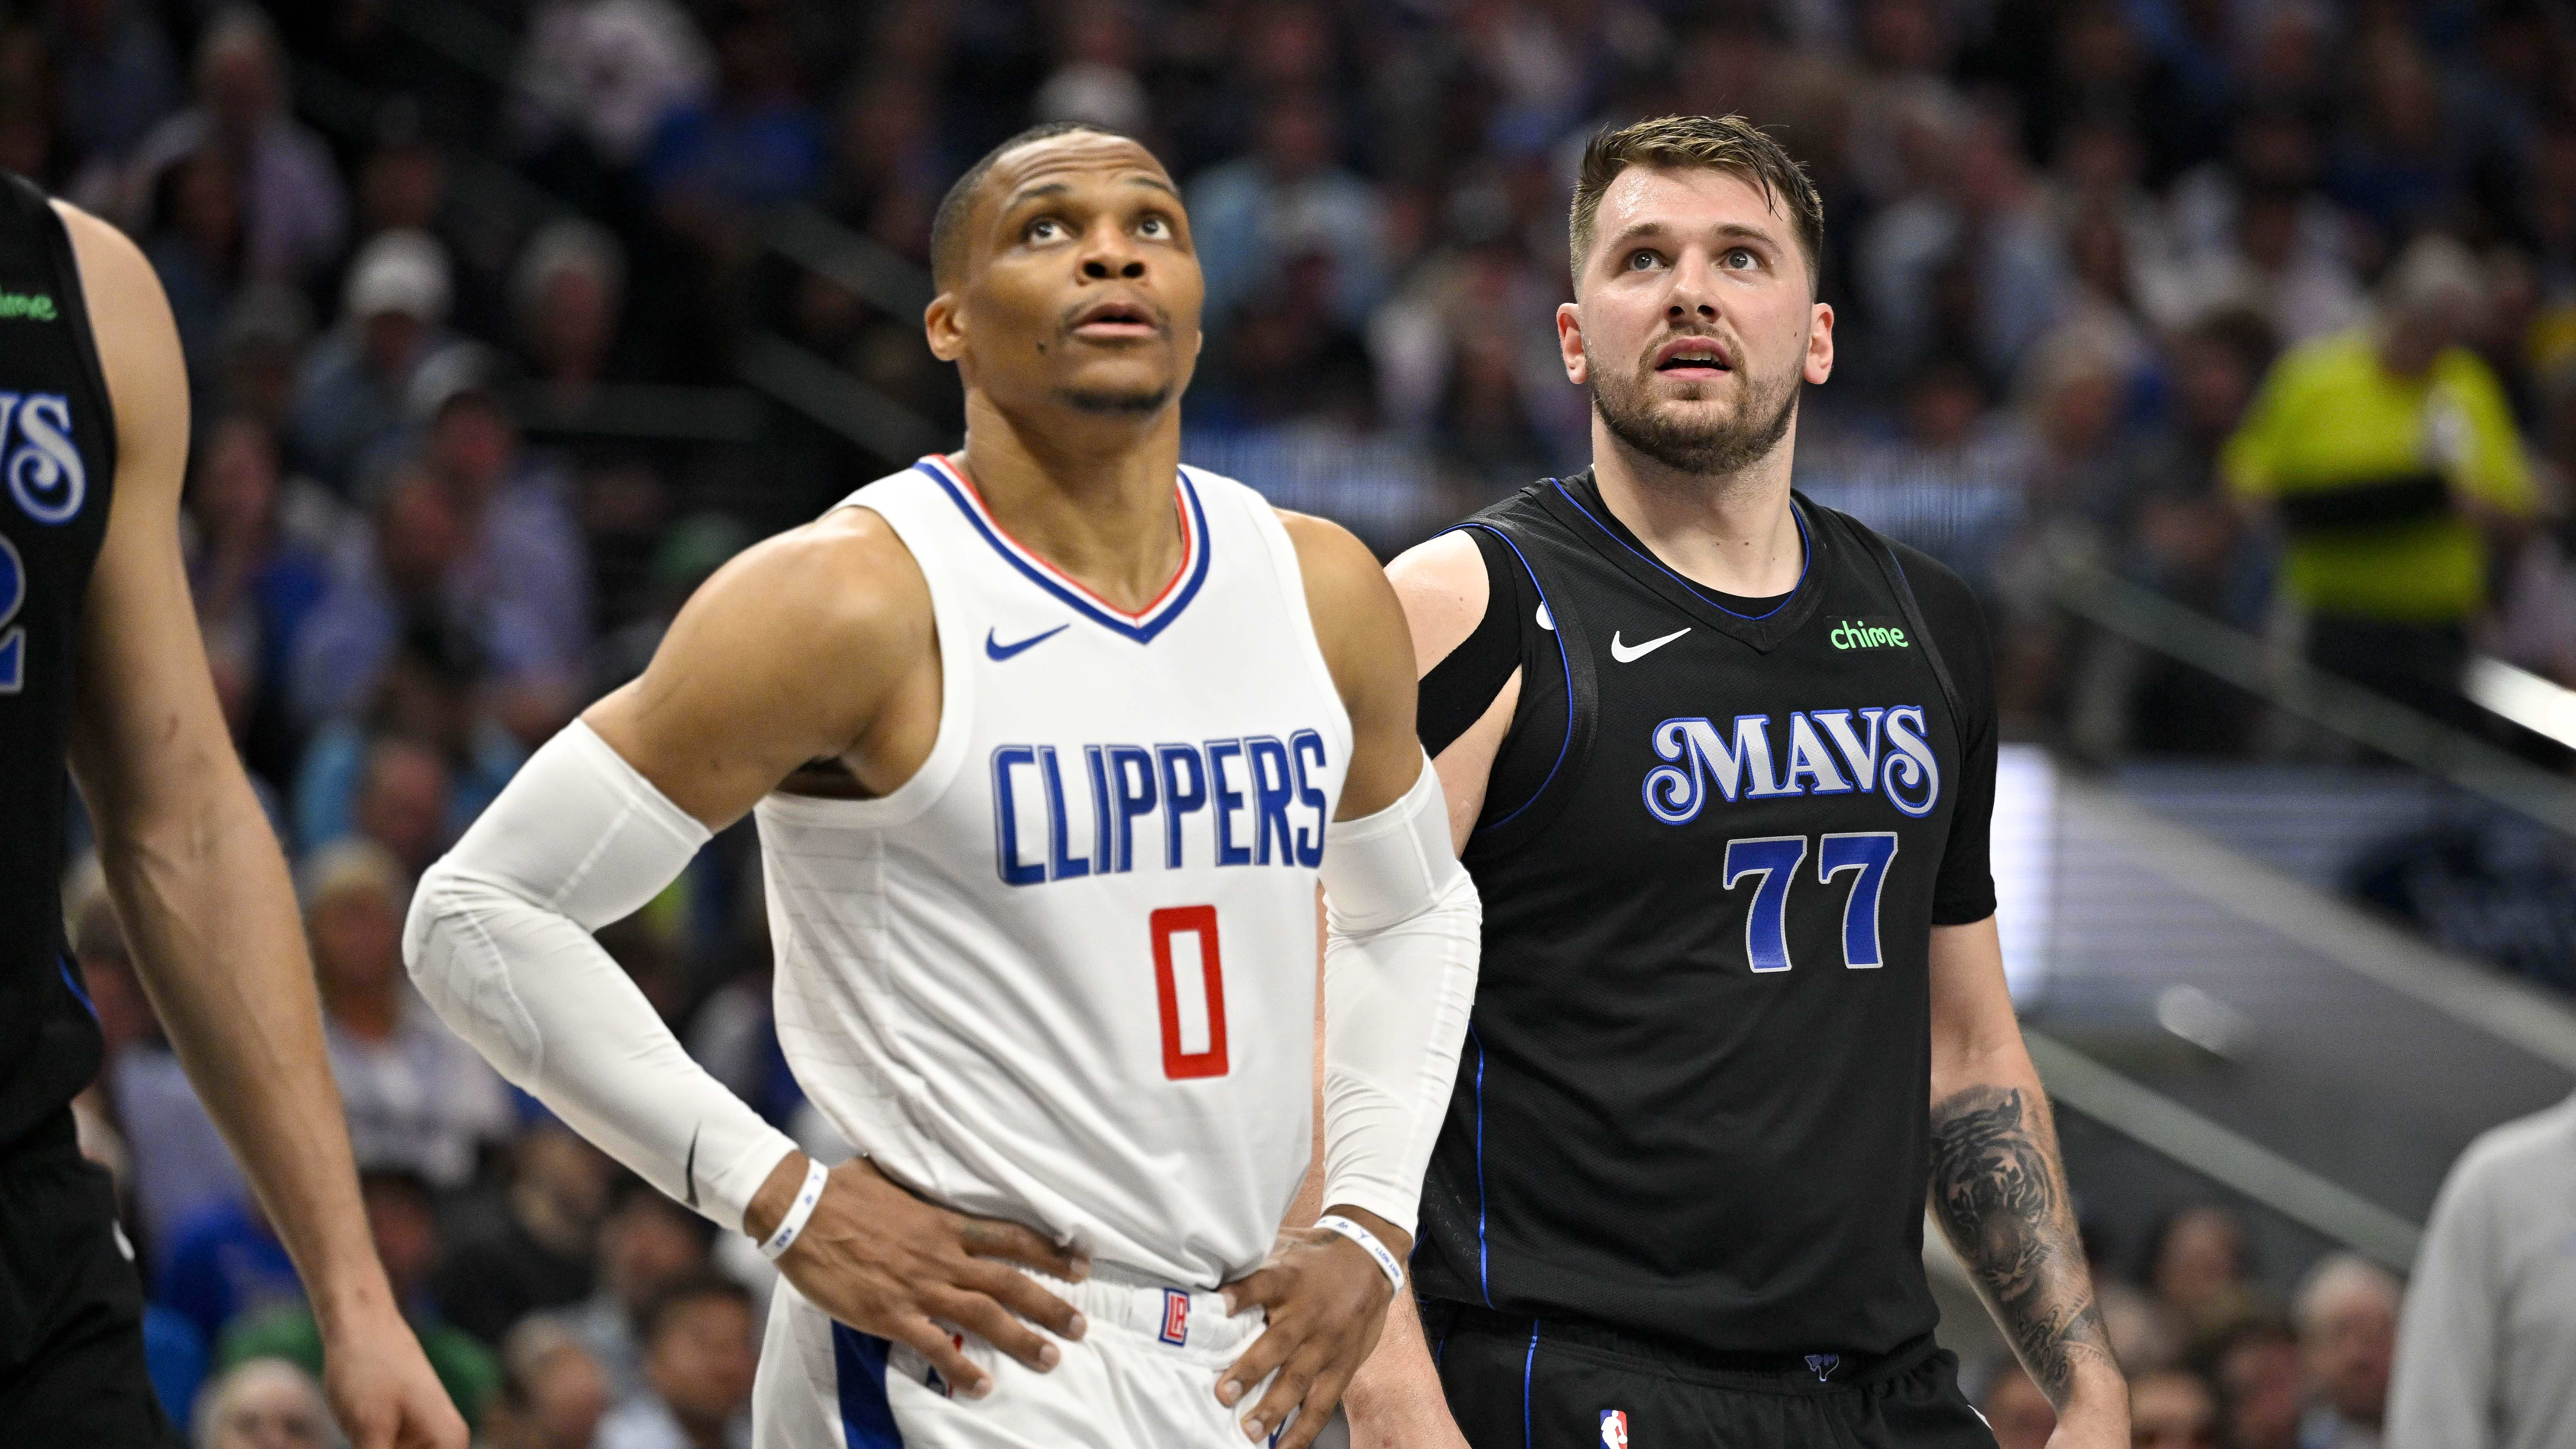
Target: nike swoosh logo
[(1631, 653), (689, 1171), (997, 652)]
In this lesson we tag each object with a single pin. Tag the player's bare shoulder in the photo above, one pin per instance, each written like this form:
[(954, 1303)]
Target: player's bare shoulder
[(1443, 587), (814, 645), (1346, 590)]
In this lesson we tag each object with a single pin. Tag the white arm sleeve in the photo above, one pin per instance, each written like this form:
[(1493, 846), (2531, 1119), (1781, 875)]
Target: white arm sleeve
[(1403, 929), (499, 943)]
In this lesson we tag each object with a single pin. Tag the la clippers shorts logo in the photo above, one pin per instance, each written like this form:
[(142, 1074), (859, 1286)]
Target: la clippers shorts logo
[(1614, 1429), (1176, 1318)]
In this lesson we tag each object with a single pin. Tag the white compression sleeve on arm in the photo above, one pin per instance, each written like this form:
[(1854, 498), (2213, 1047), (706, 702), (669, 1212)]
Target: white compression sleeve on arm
[(499, 942), (1403, 930)]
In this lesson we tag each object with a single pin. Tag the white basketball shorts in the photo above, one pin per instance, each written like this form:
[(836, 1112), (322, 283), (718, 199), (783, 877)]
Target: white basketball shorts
[(1144, 1373)]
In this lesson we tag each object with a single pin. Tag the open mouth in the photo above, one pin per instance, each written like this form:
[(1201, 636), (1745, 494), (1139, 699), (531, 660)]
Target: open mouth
[(1115, 321), (1692, 357)]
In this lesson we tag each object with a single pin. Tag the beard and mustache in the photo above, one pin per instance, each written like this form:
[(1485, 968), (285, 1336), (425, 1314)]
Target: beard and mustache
[(1695, 443)]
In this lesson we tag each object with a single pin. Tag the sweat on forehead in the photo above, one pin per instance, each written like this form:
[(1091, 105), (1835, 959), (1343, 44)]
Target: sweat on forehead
[(950, 226)]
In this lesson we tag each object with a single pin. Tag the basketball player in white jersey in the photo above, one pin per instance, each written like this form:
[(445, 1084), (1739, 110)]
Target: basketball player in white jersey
[(1050, 743)]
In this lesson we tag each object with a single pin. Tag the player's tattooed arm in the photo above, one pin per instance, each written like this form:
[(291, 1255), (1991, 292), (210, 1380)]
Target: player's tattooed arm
[(2001, 1194)]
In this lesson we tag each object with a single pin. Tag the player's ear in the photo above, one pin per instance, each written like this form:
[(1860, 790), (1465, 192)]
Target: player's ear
[(944, 323), (1569, 340), (1820, 342)]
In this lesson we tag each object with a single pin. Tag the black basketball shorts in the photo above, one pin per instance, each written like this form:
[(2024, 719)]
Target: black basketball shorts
[(71, 1306), (1517, 1384)]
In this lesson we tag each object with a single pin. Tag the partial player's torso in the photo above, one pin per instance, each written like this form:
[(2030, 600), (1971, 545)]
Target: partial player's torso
[(1064, 971)]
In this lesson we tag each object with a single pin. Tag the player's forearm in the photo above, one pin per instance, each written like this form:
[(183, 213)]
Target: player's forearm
[(203, 895), (2000, 1191), (1396, 1399)]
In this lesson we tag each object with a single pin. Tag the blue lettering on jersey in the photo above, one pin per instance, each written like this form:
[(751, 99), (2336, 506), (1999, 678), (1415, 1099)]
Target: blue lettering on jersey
[(1825, 754), (1263, 799), (43, 468)]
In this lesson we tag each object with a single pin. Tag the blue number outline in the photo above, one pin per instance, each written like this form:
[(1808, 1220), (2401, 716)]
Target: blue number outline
[(1858, 850), (1776, 859), (13, 597)]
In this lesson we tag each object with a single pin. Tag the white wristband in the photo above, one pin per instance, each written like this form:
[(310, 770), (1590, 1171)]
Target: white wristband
[(1369, 1244), (798, 1211)]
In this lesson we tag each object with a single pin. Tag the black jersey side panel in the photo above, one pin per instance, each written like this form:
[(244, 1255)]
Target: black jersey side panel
[(1692, 1104), (57, 462)]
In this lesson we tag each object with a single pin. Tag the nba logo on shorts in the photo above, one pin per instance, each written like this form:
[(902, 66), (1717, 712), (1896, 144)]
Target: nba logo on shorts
[(1176, 1317), (1614, 1429)]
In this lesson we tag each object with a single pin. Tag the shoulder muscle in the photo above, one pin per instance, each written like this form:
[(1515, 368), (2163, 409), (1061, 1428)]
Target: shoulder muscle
[(1443, 587), (1361, 629)]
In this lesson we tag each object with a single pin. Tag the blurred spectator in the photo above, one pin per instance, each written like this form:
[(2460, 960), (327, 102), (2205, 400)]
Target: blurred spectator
[(2254, 234), (265, 1403), (524, 562), (2486, 1351), (2014, 1408), (178, 1168), (226, 1262), (254, 582), (1970, 259), (2389, 456), (1251, 217), (716, 164), (198, 252), (357, 380), (566, 294), (417, 1097), (647, 1243), (2172, 1409), (2253, 1360), (2196, 1264), (537, 1251), (404, 1222), (294, 213), (601, 74), (551, 1395), (2347, 1316), (417, 766), (698, 1363), (114, 74), (387, 583)]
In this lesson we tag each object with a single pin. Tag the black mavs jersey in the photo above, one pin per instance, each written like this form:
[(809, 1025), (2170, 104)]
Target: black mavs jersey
[(57, 459), (1692, 1104)]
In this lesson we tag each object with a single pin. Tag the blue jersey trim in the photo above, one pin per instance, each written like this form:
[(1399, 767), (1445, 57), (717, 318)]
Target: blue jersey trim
[(867, 1417), (1806, 560), (1529, 1363), (1484, 1281), (64, 964), (1142, 633), (1568, 742)]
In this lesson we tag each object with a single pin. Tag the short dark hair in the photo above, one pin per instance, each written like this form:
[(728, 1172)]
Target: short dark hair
[(1698, 143), (692, 1287), (948, 224)]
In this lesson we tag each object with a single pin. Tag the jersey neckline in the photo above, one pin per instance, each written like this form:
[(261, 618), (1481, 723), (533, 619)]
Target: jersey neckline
[(1762, 632), (1140, 625)]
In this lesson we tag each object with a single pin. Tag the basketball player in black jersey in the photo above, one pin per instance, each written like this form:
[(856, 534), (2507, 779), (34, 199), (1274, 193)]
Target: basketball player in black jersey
[(1721, 762), (101, 664)]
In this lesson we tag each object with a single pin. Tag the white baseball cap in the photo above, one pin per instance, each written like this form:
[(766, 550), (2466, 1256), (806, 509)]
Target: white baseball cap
[(399, 271)]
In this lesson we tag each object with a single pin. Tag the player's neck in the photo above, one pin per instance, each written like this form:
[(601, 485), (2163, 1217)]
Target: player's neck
[(1735, 534), (1091, 495)]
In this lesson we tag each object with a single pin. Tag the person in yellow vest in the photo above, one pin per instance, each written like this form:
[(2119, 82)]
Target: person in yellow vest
[(2388, 456)]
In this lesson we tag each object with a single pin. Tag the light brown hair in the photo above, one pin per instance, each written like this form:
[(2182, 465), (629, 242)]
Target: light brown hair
[(1698, 143)]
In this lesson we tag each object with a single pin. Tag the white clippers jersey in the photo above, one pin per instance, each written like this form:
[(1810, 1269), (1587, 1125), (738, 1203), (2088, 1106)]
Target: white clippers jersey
[(1066, 974)]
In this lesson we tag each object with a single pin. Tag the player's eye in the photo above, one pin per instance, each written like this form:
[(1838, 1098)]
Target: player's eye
[(1154, 226), (1045, 228), (1643, 260), (1740, 258)]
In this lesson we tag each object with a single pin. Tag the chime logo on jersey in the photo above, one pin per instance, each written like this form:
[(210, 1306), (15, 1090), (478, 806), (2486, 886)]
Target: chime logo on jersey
[(1614, 1429), (37, 457), (1262, 799), (1885, 752)]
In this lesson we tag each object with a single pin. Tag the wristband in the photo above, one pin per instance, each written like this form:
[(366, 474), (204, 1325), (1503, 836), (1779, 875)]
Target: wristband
[(800, 1210), (1369, 1244)]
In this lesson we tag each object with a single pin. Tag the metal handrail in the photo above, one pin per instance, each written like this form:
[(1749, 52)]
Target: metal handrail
[(2299, 688), (2231, 1159)]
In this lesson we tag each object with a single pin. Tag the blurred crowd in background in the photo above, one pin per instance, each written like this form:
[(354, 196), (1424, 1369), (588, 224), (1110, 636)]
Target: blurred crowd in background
[(496, 312)]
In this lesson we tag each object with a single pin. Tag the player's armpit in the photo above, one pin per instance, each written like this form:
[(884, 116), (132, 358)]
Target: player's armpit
[(1444, 591), (815, 644), (1369, 650), (1999, 1188)]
